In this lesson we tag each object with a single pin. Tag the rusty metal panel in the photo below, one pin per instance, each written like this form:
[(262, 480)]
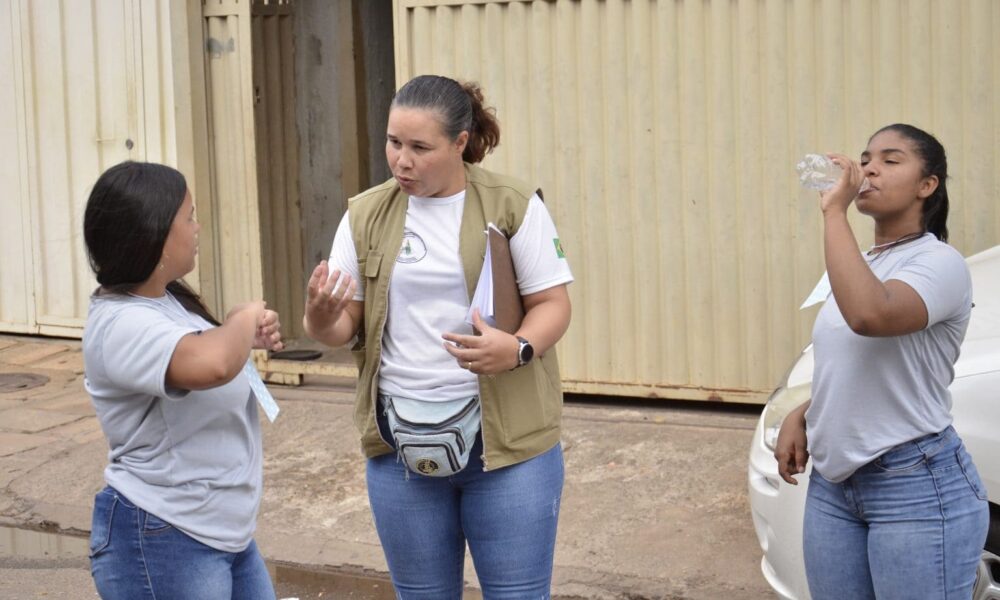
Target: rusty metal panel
[(277, 161), (665, 133), (91, 87)]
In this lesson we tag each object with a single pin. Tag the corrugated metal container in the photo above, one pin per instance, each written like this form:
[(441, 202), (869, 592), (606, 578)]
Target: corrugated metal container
[(256, 244), (16, 305), (665, 133), (236, 268), (277, 145), (89, 85), (95, 83)]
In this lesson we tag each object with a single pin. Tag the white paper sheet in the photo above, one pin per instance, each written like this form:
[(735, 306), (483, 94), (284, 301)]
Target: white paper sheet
[(260, 391), (820, 293), (482, 298)]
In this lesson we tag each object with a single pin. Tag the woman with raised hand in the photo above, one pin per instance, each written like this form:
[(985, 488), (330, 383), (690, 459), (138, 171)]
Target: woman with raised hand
[(172, 390), (461, 431), (895, 506)]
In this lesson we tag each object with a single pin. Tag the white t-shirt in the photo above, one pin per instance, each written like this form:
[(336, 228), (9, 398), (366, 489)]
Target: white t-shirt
[(428, 294), (872, 393), (192, 458)]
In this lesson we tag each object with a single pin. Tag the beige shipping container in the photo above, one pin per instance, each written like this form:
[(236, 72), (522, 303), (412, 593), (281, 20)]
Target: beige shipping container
[(96, 83), (664, 133), (88, 84)]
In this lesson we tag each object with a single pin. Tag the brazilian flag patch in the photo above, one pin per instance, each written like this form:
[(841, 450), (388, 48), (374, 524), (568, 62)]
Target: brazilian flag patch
[(559, 249)]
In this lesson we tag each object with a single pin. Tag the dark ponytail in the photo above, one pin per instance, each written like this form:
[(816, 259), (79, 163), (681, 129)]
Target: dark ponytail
[(126, 223), (935, 212), (484, 134), (461, 107)]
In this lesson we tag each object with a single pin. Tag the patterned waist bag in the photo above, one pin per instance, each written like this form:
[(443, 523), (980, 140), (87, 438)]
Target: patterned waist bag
[(433, 438)]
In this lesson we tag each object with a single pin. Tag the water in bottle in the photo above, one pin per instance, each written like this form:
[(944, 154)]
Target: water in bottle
[(817, 172)]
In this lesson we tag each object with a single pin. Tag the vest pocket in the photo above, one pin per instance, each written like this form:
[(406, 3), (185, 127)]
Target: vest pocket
[(525, 415), (369, 266)]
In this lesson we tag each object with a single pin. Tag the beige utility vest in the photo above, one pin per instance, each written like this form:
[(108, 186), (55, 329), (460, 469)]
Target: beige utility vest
[(521, 408)]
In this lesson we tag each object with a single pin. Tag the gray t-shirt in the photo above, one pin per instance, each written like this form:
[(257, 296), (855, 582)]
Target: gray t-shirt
[(192, 458), (872, 393)]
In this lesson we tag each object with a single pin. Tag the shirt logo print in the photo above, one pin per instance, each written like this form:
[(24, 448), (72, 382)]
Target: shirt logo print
[(413, 249)]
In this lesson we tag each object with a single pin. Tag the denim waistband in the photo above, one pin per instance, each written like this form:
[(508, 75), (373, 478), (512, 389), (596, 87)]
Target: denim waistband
[(932, 442), (111, 491), (925, 446)]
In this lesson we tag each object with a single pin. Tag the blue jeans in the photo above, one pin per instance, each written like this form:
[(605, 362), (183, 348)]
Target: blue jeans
[(508, 516), (134, 556), (910, 524)]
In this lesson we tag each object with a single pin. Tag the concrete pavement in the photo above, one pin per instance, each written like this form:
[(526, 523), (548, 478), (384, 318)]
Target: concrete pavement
[(654, 505)]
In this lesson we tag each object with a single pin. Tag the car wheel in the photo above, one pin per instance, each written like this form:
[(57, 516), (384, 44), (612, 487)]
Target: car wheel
[(988, 576)]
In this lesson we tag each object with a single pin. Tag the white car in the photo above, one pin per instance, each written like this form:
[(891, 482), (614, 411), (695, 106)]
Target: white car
[(777, 507)]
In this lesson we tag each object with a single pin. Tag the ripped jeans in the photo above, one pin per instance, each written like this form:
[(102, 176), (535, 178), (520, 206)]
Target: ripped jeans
[(508, 516)]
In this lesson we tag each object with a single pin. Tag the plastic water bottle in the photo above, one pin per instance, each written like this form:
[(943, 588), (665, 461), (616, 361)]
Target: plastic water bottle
[(817, 172)]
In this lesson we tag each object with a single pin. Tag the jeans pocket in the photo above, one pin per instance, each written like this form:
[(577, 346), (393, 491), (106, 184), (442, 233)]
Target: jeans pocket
[(900, 459), (971, 474), (151, 524), (100, 524)]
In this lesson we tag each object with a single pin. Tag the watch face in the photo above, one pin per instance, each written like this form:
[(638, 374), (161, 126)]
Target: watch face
[(526, 352)]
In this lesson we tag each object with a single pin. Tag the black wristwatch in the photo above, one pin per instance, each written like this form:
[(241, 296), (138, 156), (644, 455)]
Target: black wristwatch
[(525, 352)]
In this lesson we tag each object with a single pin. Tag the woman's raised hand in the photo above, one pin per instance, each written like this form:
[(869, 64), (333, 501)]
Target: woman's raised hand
[(840, 196), (325, 300), (268, 335)]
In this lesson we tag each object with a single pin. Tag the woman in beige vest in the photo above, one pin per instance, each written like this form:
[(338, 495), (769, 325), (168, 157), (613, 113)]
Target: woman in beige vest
[(472, 418)]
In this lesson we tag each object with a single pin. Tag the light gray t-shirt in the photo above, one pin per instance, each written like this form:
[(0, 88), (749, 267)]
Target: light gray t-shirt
[(872, 393), (192, 458)]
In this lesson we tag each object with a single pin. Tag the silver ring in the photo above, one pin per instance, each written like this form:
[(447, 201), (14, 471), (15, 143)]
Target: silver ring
[(468, 365)]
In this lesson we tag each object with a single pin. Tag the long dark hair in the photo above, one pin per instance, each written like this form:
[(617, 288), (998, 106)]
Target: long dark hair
[(125, 226), (461, 107), (934, 217)]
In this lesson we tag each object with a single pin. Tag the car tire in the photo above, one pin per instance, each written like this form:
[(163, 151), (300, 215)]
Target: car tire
[(988, 577)]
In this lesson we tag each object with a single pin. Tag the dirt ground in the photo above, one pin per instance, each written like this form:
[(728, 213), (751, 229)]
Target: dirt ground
[(654, 505)]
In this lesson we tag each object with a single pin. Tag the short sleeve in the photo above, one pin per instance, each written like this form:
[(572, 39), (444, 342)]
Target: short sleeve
[(941, 279), (537, 252), (344, 256), (137, 349)]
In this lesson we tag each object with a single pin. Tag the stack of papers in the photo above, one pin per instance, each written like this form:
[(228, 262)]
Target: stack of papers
[(483, 298)]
